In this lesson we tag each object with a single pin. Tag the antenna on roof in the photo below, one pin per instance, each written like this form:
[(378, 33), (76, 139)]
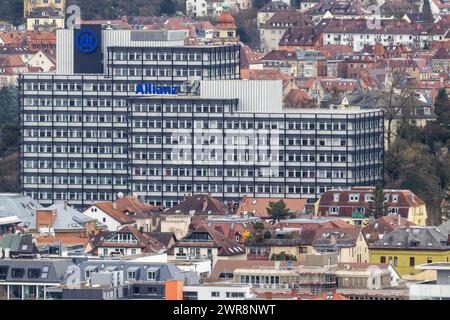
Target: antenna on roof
[(120, 195)]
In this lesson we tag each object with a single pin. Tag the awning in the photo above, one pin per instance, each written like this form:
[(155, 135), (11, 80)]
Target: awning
[(10, 220), (111, 268), (91, 268), (133, 269), (154, 269)]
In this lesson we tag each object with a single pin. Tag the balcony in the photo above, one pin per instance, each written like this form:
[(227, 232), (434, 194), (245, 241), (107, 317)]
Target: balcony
[(429, 290), (257, 256)]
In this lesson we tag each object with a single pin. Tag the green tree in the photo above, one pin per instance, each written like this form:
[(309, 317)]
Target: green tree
[(167, 7), (267, 235), (277, 210), (335, 95), (411, 165), (426, 11), (377, 206)]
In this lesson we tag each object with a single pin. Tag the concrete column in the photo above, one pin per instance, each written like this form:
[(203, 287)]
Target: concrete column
[(7, 292), (22, 293)]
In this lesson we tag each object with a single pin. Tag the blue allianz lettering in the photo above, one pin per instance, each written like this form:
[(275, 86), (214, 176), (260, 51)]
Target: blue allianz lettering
[(149, 88)]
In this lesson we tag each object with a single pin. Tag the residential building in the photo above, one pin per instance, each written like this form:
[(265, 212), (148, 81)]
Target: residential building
[(354, 204), (26, 279), (234, 227), (285, 61), (348, 243), (441, 60), (124, 279), (267, 11), (375, 230), (271, 32), (226, 30), (45, 20), (8, 224), (315, 276), (369, 281), (405, 248), (42, 60), (176, 223), (301, 39), (62, 223), (30, 5), (126, 210), (205, 242), (124, 242), (257, 206), (20, 206), (282, 245), (358, 32), (199, 204)]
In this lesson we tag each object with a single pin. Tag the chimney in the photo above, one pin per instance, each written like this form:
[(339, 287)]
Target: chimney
[(45, 218), (114, 205), (244, 199), (205, 203), (65, 204)]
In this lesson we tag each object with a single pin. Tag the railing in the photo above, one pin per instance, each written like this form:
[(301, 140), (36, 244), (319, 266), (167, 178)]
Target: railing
[(257, 256)]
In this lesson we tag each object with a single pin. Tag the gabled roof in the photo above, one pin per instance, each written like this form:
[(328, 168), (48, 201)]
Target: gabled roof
[(336, 237), (275, 6), (205, 237), (330, 296), (284, 19), (441, 54), (280, 55), (338, 7), (378, 228), (127, 209), (68, 218), (414, 238), (300, 36), (164, 237), (21, 206), (203, 204), (258, 205), (405, 200), (144, 241)]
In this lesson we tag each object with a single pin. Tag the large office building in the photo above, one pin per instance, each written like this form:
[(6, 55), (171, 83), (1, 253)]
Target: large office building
[(139, 112)]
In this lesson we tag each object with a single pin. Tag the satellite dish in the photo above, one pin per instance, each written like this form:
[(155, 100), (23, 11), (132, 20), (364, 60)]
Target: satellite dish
[(120, 195)]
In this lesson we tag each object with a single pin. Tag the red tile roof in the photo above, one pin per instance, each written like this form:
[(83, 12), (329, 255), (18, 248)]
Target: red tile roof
[(225, 246), (406, 199), (258, 206), (375, 230)]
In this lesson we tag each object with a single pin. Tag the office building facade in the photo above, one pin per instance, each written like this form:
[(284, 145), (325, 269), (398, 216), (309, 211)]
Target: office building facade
[(144, 114)]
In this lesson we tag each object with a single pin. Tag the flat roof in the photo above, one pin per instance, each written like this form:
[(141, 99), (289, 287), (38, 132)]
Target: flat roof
[(434, 266)]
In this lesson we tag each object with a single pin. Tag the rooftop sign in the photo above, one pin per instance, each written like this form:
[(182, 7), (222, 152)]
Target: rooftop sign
[(150, 88)]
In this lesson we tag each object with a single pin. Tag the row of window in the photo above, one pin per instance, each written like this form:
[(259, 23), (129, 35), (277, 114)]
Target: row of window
[(169, 56)]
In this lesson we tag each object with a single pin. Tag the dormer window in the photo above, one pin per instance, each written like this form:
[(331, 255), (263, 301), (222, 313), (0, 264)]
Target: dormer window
[(336, 197), (368, 197), (395, 198), (353, 197)]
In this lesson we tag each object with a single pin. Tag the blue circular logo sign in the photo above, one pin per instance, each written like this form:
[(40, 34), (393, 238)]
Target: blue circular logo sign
[(86, 41)]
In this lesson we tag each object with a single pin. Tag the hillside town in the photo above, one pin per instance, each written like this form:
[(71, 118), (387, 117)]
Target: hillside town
[(226, 150)]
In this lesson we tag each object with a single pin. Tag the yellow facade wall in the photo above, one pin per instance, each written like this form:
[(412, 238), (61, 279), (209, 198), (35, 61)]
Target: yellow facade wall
[(401, 258)]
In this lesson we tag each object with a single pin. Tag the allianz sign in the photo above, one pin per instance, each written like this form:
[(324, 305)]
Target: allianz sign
[(149, 88)]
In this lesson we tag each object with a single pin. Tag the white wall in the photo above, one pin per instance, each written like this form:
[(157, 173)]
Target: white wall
[(101, 216), (267, 95)]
